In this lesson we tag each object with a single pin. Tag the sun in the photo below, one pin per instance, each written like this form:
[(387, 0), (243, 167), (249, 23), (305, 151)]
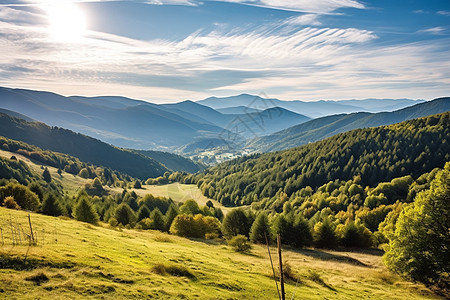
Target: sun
[(67, 22)]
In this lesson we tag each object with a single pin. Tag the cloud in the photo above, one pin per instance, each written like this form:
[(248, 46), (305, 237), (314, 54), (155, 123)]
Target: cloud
[(316, 6), (434, 30), (306, 19), (291, 62), (444, 12)]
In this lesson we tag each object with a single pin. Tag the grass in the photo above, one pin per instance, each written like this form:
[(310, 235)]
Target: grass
[(73, 260), (179, 193)]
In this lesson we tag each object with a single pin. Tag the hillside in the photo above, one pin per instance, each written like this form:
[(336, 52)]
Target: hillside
[(324, 127), (85, 148), (375, 154), (77, 260)]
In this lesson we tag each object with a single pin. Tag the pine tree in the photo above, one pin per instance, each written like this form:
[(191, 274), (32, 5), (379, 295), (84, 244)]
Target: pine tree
[(260, 229), (143, 212), (236, 222), (51, 206), (125, 215), (303, 236), (324, 235), (171, 213), (85, 211), (46, 176), (158, 222)]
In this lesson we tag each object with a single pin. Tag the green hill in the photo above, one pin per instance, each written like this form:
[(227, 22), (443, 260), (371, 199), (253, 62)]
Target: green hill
[(375, 154), (85, 148)]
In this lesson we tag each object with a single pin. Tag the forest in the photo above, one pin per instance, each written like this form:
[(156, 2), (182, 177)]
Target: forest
[(374, 155)]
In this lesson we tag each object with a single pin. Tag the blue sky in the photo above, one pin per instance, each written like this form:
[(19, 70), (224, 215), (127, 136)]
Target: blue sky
[(172, 50)]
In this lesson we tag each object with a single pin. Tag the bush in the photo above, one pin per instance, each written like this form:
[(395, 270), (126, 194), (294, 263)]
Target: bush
[(10, 203), (22, 195), (240, 243), (194, 226)]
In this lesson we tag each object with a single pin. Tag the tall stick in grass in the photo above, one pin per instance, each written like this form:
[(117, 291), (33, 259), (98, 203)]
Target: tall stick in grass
[(271, 263), (31, 228), (280, 259)]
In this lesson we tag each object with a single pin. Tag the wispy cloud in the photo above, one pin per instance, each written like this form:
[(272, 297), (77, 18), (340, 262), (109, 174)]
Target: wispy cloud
[(306, 19), (316, 6), (444, 12), (434, 30)]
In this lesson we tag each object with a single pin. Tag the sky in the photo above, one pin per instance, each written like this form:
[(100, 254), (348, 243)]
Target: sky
[(174, 50)]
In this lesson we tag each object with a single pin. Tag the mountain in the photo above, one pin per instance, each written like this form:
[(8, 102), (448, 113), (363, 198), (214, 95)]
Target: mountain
[(130, 123), (255, 124), (85, 148), (374, 154), (324, 127), (116, 120), (313, 109), (237, 110), (173, 161)]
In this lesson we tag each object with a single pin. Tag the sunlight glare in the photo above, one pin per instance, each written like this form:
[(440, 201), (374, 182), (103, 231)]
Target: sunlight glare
[(67, 22)]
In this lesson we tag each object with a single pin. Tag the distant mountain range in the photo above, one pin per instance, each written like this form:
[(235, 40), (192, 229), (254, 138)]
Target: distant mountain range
[(313, 109), (191, 127), (324, 127)]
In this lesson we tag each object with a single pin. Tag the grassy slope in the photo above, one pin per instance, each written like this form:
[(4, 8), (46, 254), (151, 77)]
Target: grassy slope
[(182, 192), (111, 264), (73, 184)]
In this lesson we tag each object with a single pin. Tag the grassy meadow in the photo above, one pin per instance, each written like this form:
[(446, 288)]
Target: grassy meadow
[(75, 260)]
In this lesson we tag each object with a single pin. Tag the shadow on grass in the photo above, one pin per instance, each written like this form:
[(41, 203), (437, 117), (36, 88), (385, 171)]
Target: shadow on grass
[(322, 255)]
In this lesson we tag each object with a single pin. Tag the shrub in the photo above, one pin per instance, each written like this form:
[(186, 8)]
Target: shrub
[(239, 243), (195, 226), (9, 202), (22, 195)]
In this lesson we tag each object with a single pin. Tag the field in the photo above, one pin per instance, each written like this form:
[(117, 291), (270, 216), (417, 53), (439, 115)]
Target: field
[(77, 260)]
